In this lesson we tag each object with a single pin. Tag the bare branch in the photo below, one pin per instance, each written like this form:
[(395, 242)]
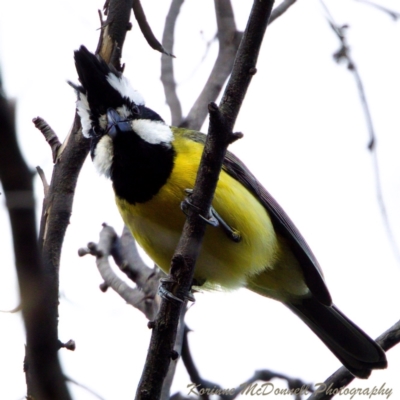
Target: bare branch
[(182, 265), (167, 66), (44, 181), (342, 377), (45, 208), (144, 297), (229, 40), (146, 29), (43, 371), (245, 62)]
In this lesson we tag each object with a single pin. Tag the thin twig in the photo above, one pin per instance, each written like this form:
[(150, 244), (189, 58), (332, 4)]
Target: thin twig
[(101, 19), (167, 65), (343, 54), (146, 29), (44, 181), (202, 387), (194, 374), (45, 208), (183, 262), (229, 40), (393, 14)]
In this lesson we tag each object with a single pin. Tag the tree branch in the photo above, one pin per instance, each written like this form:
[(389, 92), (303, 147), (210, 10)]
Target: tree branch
[(183, 262), (146, 29), (44, 376), (229, 39), (124, 252), (167, 65)]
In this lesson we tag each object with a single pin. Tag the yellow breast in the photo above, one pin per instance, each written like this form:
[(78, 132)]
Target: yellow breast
[(157, 224)]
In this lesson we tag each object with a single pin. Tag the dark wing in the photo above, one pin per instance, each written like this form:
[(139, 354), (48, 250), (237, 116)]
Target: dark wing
[(284, 226)]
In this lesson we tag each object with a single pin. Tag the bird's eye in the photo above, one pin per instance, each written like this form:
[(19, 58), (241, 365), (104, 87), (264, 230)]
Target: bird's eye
[(134, 108)]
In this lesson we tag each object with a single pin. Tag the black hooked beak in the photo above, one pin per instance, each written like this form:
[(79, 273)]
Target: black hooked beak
[(115, 123)]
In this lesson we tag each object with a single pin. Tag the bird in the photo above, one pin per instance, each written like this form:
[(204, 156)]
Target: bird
[(251, 242)]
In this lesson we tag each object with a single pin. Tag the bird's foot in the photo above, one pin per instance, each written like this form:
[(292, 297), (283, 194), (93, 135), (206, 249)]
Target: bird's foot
[(165, 293), (214, 218)]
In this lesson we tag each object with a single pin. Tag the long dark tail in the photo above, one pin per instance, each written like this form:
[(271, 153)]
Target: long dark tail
[(354, 348)]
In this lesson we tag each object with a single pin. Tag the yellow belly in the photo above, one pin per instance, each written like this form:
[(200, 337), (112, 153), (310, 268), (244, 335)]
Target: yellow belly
[(157, 225)]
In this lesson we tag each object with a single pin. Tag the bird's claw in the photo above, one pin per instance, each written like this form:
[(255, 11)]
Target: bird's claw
[(167, 295), (214, 218)]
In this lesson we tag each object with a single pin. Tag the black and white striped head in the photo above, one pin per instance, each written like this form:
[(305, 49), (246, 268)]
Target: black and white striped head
[(108, 106)]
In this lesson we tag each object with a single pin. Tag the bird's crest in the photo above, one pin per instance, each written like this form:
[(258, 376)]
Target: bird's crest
[(102, 88)]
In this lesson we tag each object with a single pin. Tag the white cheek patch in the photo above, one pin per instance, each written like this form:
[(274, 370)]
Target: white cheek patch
[(83, 109), (103, 156), (123, 86), (153, 132)]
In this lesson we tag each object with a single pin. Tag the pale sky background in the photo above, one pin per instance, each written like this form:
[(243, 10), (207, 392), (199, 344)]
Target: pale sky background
[(305, 139)]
